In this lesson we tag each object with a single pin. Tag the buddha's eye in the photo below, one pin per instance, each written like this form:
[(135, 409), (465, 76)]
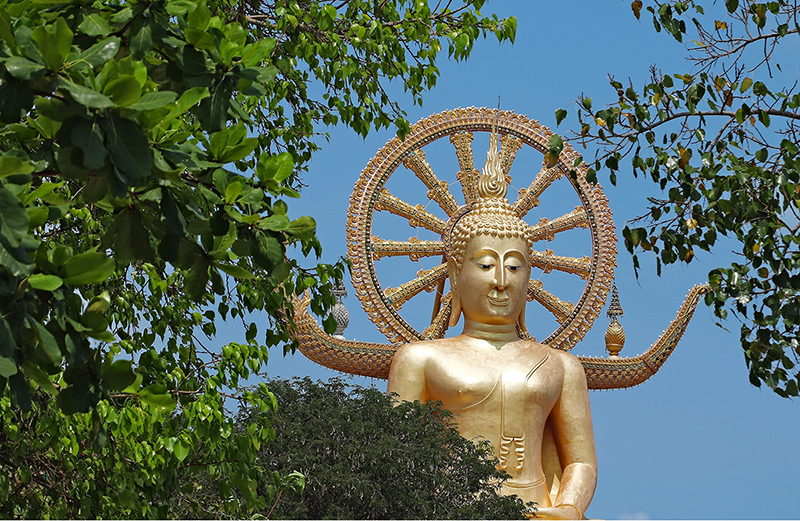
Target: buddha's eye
[(513, 267), (485, 266)]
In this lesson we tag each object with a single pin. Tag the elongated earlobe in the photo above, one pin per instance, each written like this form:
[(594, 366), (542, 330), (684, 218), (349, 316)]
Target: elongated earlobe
[(521, 318), (455, 312)]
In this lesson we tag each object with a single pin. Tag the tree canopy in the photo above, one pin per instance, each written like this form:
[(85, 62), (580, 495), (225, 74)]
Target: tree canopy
[(148, 155), (720, 140), (365, 459)]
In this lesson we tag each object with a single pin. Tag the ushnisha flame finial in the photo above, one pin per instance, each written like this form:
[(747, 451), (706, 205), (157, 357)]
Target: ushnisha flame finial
[(492, 182)]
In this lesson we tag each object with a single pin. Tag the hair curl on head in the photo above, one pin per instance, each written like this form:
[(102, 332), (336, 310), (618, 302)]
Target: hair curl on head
[(492, 216)]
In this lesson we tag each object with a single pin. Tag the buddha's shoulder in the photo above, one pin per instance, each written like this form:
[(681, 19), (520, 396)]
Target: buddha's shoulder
[(418, 353), (569, 363)]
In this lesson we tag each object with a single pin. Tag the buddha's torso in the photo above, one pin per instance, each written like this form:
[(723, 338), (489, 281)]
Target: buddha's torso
[(493, 391)]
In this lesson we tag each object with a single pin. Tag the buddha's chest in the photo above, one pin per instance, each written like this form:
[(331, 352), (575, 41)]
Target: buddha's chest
[(467, 380)]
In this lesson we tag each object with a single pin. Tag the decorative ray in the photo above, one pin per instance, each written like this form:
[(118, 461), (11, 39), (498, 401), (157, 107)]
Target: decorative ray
[(441, 320), (426, 280), (468, 175), (509, 145), (413, 248), (437, 190), (529, 197), (416, 215), (548, 262), (560, 309), (546, 229)]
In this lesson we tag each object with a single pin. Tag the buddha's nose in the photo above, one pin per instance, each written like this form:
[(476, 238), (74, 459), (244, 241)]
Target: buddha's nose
[(500, 281)]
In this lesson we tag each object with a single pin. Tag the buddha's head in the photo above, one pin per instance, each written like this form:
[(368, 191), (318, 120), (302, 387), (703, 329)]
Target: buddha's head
[(488, 253)]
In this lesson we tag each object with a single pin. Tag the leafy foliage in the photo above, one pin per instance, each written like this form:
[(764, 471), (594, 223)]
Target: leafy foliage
[(147, 154), (365, 459), (721, 141)]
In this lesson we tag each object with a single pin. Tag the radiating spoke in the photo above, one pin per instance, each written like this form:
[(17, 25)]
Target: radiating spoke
[(560, 309), (426, 280), (548, 262), (529, 197), (441, 319), (412, 248), (416, 215), (546, 229), (509, 145), (468, 175), (437, 190)]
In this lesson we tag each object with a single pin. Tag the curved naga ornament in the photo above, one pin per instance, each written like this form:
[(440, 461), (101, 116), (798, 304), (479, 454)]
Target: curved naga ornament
[(383, 305)]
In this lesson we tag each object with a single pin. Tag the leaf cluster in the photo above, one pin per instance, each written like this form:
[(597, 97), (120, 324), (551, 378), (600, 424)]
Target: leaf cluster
[(721, 142), (365, 459), (149, 152)]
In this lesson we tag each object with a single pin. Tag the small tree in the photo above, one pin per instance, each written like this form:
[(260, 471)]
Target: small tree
[(721, 141), (364, 459)]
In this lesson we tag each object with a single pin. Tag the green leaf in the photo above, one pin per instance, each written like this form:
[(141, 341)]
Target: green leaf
[(187, 100), (269, 251), (5, 30), (15, 260), (746, 83), (154, 100), (8, 367), (15, 98), (123, 90), (191, 61), (157, 395), (20, 394), (239, 151), (303, 227), (129, 148), (85, 96), (181, 450), (47, 342), (88, 268), (89, 136), (276, 168), (24, 69), (7, 344), (560, 115), (131, 239), (232, 191), (13, 218), (276, 223), (99, 53), (119, 375), (213, 111), (141, 36), (94, 25), (45, 282), (63, 35), (196, 279), (234, 270), (38, 376), (11, 165)]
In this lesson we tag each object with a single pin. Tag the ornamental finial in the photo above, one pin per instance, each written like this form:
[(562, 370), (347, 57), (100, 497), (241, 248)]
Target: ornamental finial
[(492, 182), (615, 335)]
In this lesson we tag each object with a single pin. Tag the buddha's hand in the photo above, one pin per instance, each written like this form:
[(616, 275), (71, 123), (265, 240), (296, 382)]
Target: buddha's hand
[(559, 512)]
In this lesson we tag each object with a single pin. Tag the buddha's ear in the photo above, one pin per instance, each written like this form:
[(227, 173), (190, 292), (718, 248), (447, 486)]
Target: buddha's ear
[(521, 318), (455, 312)]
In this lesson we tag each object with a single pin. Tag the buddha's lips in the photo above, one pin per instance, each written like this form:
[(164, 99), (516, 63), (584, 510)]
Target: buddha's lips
[(499, 302)]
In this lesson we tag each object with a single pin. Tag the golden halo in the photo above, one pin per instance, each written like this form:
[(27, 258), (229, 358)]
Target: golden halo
[(515, 132)]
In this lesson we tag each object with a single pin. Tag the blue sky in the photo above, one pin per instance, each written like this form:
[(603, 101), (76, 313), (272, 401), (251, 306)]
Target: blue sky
[(696, 440)]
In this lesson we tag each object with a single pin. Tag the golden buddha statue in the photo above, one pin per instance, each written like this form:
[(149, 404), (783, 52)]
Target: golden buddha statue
[(528, 400)]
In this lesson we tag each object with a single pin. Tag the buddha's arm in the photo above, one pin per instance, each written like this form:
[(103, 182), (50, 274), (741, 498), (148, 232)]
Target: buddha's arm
[(574, 437), (407, 374)]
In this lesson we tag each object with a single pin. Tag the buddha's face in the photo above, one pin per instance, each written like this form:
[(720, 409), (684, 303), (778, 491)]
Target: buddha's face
[(493, 281)]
